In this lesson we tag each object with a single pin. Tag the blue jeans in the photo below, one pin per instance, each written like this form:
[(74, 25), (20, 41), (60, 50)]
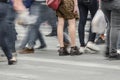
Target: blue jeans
[(33, 32), (84, 8), (4, 34), (13, 34)]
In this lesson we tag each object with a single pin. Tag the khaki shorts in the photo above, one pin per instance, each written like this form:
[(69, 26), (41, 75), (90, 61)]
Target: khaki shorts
[(66, 9)]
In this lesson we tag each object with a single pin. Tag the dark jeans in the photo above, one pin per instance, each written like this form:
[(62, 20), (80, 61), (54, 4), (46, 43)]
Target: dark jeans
[(4, 34), (12, 32), (84, 8)]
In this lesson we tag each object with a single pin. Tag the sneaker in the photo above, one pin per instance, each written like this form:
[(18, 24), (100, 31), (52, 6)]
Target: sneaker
[(92, 46), (75, 51), (26, 51), (114, 55), (12, 61), (118, 51), (63, 51), (82, 49), (89, 51)]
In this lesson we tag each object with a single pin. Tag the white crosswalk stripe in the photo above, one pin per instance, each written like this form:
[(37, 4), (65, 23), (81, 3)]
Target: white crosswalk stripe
[(72, 63)]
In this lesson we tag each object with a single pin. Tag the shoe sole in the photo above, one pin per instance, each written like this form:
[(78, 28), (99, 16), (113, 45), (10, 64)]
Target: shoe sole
[(92, 49), (87, 50)]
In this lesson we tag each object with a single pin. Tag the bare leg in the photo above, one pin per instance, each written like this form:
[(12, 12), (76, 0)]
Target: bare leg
[(72, 32), (60, 31)]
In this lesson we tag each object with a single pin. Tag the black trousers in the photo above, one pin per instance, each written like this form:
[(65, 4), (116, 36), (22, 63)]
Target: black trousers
[(83, 9)]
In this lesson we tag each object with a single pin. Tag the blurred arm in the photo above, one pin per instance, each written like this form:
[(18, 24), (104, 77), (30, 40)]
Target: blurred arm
[(18, 5)]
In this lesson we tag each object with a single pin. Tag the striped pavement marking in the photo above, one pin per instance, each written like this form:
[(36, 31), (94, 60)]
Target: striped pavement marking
[(72, 63)]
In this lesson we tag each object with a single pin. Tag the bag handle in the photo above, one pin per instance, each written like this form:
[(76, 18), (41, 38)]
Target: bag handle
[(100, 4)]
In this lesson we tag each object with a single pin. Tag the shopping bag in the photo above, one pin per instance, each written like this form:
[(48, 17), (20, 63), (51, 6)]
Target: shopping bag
[(54, 4), (99, 23)]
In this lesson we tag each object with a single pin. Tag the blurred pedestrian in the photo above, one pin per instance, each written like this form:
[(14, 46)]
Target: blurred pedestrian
[(23, 15), (11, 30), (34, 34), (4, 34), (10, 18)]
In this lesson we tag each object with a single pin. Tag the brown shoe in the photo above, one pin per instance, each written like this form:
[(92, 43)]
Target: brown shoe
[(75, 51), (63, 51), (26, 51)]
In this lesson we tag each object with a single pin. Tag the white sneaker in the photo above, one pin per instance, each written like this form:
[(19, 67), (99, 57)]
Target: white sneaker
[(118, 51), (87, 51), (82, 49), (92, 46)]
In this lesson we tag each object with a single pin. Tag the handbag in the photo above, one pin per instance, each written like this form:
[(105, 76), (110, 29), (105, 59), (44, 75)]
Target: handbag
[(54, 4), (99, 23)]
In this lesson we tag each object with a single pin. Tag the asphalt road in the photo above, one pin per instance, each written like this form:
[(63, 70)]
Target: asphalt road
[(47, 65)]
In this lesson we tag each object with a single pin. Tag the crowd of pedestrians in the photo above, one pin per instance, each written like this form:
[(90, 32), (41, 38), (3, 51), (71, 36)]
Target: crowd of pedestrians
[(29, 13)]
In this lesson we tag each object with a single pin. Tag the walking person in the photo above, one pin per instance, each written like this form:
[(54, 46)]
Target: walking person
[(13, 34), (52, 21), (114, 28), (84, 7), (4, 34), (23, 15), (67, 10), (34, 34)]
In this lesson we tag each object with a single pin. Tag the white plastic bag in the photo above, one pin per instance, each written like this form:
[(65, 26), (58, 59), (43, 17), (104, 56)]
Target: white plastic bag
[(99, 23)]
